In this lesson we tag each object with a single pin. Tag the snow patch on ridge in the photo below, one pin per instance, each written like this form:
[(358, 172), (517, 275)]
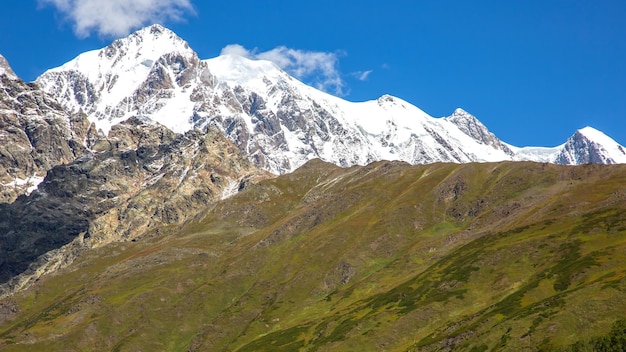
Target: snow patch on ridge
[(231, 189), (32, 182)]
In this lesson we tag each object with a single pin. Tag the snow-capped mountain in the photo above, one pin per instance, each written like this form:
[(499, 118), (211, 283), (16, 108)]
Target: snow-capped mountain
[(278, 121), (587, 145), (138, 75)]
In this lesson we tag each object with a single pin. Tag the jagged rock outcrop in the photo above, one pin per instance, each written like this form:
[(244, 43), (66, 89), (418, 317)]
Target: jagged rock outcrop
[(5, 69), (142, 177), (590, 146), (470, 125), (174, 176), (36, 134)]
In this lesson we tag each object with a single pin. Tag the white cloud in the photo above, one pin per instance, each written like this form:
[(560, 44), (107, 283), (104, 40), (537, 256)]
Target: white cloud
[(235, 49), (118, 17), (314, 67), (362, 75)]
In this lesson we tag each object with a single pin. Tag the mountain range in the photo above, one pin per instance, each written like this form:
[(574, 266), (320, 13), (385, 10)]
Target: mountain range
[(278, 121), (152, 200)]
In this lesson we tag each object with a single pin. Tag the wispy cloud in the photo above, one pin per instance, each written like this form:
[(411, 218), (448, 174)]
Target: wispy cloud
[(114, 18), (361, 75), (315, 67)]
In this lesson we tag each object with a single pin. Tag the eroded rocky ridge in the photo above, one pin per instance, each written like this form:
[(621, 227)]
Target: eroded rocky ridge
[(36, 134), (140, 178)]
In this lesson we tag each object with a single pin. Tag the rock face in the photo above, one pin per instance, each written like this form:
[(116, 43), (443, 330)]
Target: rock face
[(470, 125), (5, 69), (590, 146), (36, 134), (163, 178), (141, 177)]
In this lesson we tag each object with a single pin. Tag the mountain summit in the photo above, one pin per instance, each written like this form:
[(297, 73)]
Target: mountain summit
[(127, 78), (278, 121), (585, 146), (589, 145), (5, 68)]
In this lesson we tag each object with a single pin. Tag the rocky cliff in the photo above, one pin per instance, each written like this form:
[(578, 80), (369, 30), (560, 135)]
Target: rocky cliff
[(140, 179), (36, 134)]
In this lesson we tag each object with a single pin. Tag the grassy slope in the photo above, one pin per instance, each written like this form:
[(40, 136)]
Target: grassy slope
[(508, 256)]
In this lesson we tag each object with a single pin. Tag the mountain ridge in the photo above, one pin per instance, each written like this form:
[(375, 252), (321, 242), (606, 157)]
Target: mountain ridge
[(36, 134), (140, 179)]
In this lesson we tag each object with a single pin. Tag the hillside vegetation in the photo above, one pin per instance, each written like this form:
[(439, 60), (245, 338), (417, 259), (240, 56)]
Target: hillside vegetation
[(386, 257)]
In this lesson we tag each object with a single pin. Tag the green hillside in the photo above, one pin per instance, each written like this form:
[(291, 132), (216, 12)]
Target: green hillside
[(387, 257)]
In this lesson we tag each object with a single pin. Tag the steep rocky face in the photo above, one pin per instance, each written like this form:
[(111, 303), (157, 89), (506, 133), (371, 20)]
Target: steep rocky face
[(587, 146), (5, 68), (36, 133), (174, 177), (142, 177), (470, 125)]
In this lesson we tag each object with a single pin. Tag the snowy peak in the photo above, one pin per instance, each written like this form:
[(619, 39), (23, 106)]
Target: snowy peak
[(595, 135), (157, 31), (5, 69), (258, 76), (132, 55), (472, 127), (468, 124), (148, 43), (588, 145), (585, 146), (136, 75)]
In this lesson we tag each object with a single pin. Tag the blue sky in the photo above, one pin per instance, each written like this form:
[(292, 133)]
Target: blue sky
[(532, 71)]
